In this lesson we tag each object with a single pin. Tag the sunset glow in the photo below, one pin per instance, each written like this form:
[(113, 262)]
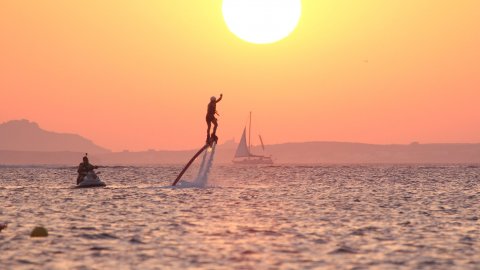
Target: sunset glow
[(138, 75)]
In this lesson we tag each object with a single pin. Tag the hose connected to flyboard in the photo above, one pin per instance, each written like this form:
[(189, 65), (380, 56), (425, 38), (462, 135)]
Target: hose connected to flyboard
[(190, 163)]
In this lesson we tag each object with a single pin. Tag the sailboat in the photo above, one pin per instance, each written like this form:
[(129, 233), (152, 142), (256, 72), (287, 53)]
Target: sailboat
[(243, 155)]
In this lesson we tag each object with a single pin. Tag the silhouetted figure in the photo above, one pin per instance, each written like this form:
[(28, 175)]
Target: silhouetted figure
[(211, 111), (84, 168)]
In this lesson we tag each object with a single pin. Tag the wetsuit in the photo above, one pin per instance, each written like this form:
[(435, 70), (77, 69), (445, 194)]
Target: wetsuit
[(210, 118)]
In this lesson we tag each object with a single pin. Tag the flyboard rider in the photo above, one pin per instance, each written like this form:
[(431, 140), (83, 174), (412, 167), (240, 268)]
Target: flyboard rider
[(210, 118)]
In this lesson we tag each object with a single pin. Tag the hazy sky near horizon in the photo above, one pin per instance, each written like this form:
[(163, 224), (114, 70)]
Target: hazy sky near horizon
[(139, 74)]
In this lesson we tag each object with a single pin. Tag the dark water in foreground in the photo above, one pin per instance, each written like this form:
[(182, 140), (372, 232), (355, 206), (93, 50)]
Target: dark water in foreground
[(279, 217)]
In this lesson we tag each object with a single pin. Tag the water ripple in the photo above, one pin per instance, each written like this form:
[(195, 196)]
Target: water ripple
[(271, 217)]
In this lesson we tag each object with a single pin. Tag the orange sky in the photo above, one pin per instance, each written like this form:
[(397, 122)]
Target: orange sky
[(139, 74)]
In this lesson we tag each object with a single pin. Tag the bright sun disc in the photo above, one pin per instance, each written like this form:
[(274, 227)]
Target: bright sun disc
[(262, 21)]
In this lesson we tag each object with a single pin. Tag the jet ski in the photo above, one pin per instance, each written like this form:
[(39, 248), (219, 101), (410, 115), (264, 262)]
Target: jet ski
[(91, 180)]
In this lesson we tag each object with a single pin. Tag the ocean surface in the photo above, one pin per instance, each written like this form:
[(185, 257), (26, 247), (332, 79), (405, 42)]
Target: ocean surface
[(244, 217)]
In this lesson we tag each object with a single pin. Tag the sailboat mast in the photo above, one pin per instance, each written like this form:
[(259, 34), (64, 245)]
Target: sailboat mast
[(249, 134)]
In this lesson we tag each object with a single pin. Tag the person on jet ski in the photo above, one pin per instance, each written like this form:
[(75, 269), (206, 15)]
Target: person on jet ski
[(210, 118), (84, 168)]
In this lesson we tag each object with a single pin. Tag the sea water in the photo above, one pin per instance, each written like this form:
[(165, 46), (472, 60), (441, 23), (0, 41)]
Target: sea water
[(246, 217)]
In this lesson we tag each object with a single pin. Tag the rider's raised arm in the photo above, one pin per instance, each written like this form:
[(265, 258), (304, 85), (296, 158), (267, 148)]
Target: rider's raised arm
[(220, 98)]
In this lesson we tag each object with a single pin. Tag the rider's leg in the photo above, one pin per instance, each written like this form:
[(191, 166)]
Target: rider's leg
[(209, 124), (215, 125)]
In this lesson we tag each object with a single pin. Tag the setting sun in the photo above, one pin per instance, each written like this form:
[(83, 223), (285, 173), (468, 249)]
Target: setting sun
[(262, 21)]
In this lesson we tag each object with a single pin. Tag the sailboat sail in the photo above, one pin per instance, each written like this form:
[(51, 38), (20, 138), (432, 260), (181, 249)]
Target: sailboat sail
[(242, 150)]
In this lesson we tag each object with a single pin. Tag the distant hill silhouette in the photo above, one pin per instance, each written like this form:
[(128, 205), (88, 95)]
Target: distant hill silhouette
[(288, 153), (346, 152), (23, 135), (24, 143), (317, 153)]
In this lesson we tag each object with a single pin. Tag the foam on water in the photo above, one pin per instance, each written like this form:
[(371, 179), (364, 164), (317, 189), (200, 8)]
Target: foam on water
[(205, 166), (201, 180)]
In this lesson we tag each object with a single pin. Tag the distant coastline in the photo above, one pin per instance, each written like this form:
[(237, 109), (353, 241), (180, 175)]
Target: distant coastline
[(24, 143), (291, 153)]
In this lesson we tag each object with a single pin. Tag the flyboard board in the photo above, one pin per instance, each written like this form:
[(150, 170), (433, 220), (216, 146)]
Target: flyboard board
[(205, 147)]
